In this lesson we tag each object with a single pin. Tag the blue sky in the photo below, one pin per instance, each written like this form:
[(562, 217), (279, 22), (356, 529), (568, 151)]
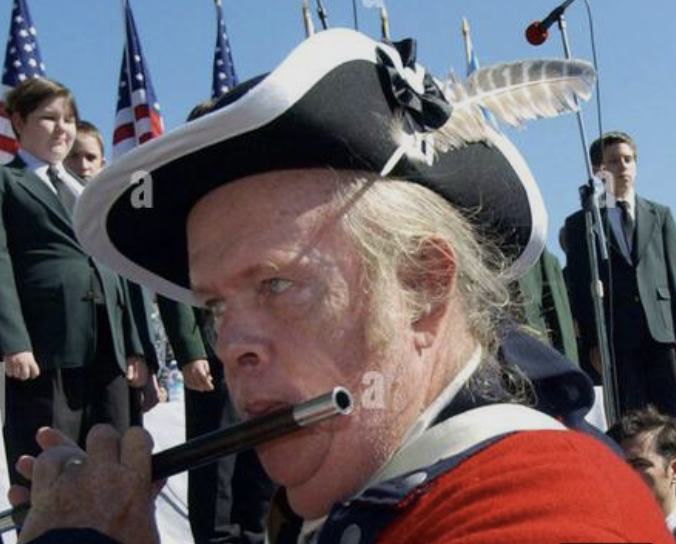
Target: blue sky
[(81, 44)]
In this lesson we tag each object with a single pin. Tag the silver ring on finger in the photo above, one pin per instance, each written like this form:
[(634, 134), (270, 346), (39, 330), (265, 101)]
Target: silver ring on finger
[(73, 462)]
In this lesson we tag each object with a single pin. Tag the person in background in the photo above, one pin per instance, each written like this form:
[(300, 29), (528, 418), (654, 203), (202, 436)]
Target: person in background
[(648, 440), (86, 157), (542, 303), (639, 282), (69, 343), (333, 246)]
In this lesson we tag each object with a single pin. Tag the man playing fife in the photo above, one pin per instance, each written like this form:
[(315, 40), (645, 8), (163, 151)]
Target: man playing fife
[(309, 213)]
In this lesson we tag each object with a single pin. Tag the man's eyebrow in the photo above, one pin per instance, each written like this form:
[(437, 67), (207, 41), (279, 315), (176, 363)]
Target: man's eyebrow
[(203, 292), (637, 458)]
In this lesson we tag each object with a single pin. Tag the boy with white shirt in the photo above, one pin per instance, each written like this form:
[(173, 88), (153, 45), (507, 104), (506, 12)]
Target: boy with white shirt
[(69, 345)]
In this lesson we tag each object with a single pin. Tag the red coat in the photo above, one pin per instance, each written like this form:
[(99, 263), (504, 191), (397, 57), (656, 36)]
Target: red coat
[(539, 487)]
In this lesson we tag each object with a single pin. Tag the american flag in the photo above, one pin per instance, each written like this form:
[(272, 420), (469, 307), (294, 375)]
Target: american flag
[(22, 61), (224, 69), (138, 117)]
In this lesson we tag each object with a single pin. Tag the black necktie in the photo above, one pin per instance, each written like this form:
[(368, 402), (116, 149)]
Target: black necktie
[(67, 198), (627, 222), (65, 195)]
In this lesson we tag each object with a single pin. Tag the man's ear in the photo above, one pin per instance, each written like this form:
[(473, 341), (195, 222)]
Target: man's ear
[(17, 124), (432, 276), (671, 468)]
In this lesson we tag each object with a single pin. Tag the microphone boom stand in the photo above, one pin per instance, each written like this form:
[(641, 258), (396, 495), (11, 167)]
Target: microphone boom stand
[(592, 215)]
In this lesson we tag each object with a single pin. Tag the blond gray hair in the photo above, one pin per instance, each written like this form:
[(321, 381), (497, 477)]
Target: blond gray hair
[(393, 225)]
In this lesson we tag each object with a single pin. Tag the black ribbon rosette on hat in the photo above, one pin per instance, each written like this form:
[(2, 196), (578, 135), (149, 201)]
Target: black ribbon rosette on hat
[(418, 96)]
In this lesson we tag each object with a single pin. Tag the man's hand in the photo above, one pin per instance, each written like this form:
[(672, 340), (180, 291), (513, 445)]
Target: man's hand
[(197, 375), (108, 488), (137, 372), (595, 360), (21, 366), (150, 393)]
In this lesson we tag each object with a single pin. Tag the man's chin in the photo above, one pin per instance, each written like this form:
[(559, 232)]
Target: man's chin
[(289, 461), (57, 155)]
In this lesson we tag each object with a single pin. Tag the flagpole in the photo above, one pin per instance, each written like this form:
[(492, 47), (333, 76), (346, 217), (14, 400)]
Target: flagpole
[(354, 15), (307, 20), (384, 25), (124, 29), (323, 16), (125, 50), (467, 41)]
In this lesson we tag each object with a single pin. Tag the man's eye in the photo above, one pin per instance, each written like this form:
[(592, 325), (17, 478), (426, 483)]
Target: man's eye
[(216, 309), (276, 285), (209, 321)]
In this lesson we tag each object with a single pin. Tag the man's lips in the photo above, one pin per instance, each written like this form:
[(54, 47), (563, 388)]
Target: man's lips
[(260, 408)]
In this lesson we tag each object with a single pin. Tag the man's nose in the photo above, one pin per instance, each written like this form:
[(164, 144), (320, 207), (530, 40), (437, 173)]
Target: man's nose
[(243, 344)]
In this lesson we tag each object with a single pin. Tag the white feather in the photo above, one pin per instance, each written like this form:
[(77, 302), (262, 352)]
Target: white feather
[(514, 93), (467, 124)]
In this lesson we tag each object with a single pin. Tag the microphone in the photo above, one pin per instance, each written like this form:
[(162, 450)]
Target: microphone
[(538, 31)]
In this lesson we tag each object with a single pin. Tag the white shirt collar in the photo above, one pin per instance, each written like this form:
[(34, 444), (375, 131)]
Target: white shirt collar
[(631, 203), (309, 531), (39, 167), (31, 161), (630, 199), (671, 520), (444, 399)]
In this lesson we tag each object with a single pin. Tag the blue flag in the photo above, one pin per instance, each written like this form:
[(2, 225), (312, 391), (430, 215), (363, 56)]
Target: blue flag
[(224, 70)]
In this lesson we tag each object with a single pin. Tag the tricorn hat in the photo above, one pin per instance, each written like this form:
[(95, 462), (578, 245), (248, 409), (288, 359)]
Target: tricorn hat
[(340, 100)]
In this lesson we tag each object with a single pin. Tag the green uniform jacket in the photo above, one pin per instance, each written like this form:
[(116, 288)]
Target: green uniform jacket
[(183, 331), (46, 280), (142, 309), (546, 307)]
